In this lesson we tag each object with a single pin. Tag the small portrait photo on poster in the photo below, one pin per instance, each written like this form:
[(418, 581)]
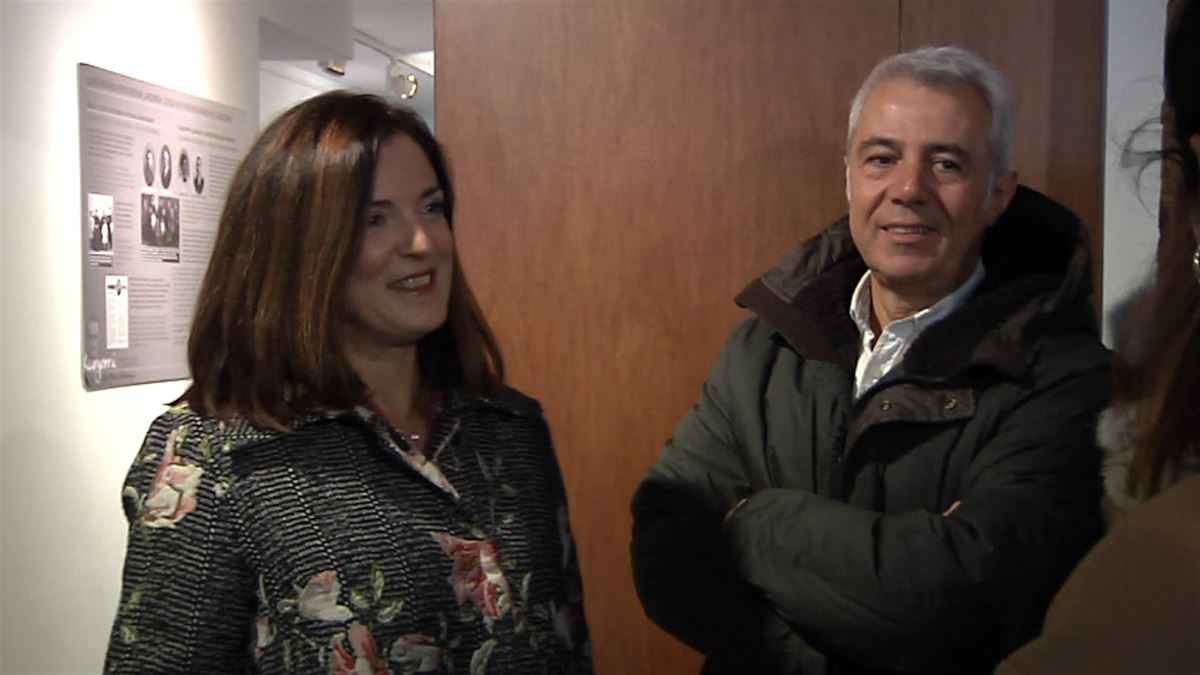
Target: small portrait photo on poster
[(198, 180), (185, 166), (148, 165), (165, 165)]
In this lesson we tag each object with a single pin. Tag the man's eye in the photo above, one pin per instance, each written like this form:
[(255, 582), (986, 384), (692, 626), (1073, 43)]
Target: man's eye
[(880, 160), (947, 165)]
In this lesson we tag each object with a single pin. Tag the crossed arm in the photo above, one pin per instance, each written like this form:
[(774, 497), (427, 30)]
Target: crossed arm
[(796, 578)]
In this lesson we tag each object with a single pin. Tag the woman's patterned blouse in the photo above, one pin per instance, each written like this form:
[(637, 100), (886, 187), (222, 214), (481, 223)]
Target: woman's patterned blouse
[(333, 548)]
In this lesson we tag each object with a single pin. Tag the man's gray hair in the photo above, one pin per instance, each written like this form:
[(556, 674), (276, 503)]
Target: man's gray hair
[(943, 67)]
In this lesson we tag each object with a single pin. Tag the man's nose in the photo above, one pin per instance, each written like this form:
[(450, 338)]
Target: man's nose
[(909, 184)]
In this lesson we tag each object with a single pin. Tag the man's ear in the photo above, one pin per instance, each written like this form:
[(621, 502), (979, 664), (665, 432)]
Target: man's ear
[(1003, 189), (846, 163)]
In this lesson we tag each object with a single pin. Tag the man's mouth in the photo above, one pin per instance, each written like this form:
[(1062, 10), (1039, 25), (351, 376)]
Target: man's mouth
[(908, 229)]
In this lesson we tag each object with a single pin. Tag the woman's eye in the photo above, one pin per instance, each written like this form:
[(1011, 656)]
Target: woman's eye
[(376, 219), (435, 208)]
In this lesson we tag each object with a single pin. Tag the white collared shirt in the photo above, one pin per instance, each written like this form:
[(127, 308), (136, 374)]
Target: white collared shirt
[(899, 335)]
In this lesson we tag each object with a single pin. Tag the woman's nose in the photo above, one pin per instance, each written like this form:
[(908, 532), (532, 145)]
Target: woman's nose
[(413, 237)]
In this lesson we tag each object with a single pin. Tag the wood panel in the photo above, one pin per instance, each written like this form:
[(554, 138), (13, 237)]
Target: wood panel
[(624, 168), (1052, 53)]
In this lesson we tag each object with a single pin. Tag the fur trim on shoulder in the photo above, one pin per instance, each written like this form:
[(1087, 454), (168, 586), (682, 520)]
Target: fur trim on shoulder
[(1114, 433)]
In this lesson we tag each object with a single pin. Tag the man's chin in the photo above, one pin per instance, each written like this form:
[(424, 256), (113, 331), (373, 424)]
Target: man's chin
[(911, 282)]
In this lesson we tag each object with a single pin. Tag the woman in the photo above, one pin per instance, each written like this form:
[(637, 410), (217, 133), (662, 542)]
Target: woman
[(347, 485), (1133, 604)]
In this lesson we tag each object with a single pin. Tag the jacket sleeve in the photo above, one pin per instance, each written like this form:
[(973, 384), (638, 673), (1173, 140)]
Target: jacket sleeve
[(570, 620), (186, 601), (683, 573), (918, 591)]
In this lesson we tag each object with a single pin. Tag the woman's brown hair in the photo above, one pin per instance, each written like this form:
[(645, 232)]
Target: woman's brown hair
[(265, 342), (1162, 379)]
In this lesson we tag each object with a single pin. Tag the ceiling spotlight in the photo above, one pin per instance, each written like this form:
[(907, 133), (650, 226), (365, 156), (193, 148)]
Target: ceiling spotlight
[(400, 83), (411, 80), (333, 67)]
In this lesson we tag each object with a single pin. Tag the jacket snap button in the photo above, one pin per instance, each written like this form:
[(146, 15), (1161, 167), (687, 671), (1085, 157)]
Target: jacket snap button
[(951, 403), (885, 406)]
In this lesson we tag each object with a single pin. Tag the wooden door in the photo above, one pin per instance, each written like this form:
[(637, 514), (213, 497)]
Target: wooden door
[(623, 169)]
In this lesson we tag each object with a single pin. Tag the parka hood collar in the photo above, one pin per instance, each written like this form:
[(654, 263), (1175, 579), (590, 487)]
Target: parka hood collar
[(1038, 281)]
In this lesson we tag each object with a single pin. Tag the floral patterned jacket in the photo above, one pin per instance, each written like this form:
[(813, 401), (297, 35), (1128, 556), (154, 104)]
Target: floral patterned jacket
[(334, 549)]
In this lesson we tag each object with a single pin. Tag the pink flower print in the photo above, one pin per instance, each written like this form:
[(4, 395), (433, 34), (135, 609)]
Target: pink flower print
[(364, 661), (318, 600), (476, 573), (173, 493), (418, 650)]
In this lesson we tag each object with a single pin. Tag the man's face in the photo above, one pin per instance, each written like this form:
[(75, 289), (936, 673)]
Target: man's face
[(918, 182)]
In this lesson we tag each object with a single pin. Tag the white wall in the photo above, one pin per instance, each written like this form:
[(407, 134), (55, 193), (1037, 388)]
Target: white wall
[(64, 452), (281, 85), (1135, 61)]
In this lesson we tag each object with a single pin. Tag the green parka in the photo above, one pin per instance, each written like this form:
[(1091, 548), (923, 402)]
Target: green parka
[(841, 560)]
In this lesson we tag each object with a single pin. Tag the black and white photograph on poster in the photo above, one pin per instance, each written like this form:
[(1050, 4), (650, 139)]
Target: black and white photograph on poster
[(185, 166), (198, 180), (165, 163), (149, 219), (116, 311), (148, 226), (160, 227), (168, 218), (148, 166), (99, 229)]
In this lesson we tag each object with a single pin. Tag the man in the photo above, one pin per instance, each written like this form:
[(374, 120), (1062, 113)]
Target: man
[(891, 466)]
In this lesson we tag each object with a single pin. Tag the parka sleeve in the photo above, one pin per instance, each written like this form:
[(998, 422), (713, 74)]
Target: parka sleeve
[(186, 600), (683, 571), (924, 592)]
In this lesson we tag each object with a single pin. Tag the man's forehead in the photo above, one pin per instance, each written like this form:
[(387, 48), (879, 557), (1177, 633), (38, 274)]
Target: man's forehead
[(901, 83), (901, 102), (926, 146)]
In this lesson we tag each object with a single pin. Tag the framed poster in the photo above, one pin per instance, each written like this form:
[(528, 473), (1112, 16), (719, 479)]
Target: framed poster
[(155, 165)]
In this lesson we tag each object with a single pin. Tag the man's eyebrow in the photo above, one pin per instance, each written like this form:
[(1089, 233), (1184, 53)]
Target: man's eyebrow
[(889, 143), (947, 148)]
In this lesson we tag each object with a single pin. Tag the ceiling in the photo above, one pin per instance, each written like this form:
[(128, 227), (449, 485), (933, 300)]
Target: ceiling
[(404, 24), (404, 28)]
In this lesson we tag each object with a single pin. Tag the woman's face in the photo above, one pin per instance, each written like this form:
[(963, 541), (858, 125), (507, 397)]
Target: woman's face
[(398, 285)]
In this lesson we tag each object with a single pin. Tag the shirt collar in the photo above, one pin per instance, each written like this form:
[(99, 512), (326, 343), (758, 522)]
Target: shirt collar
[(860, 304)]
